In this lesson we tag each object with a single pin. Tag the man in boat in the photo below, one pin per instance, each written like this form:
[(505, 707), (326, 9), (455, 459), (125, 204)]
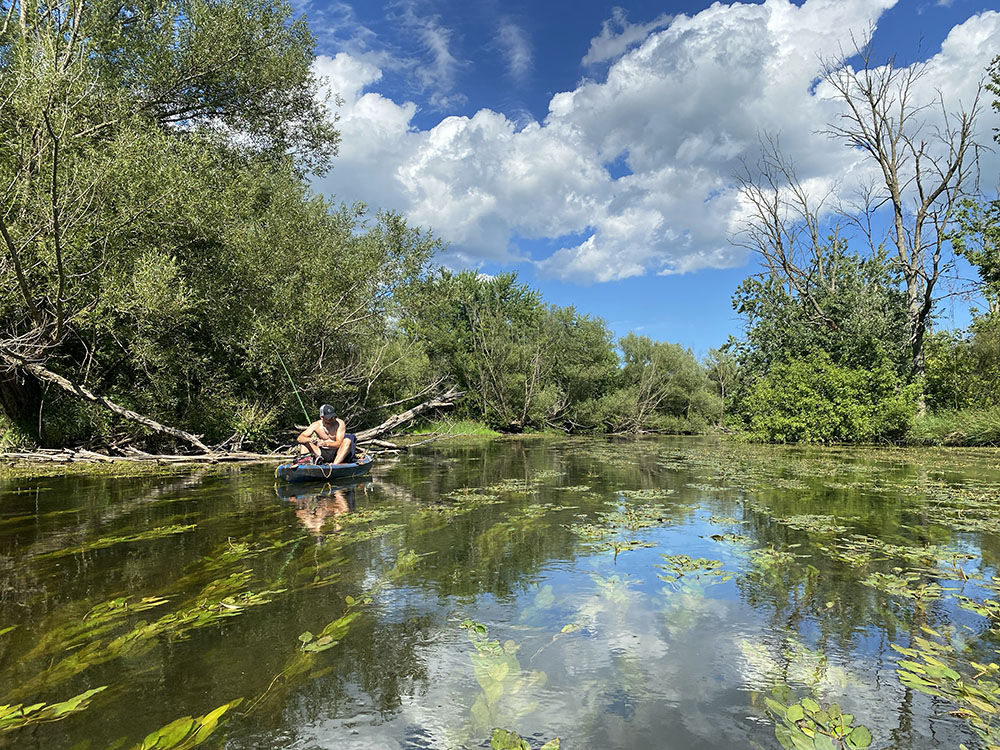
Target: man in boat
[(327, 440)]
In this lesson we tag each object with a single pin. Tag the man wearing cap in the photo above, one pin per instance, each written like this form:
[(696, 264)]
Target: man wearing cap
[(327, 440)]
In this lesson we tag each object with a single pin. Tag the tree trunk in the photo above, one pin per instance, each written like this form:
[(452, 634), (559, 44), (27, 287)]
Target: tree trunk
[(80, 392), (438, 402)]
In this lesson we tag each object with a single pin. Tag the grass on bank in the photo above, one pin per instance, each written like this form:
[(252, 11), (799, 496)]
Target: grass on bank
[(449, 428), (962, 427)]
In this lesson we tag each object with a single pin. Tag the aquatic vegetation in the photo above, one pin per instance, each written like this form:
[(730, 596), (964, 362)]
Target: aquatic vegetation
[(220, 599), (18, 716), (310, 646), (723, 520), (100, 619), (513, 487), (505, 740), (813, 523), (473, 497), (609, 533), (651, 494), (904, 584), (804, 725), (499, 674), (795, 663), (614, 588), (186, 732), (732, 539), (975, 695), (768, 558), (705, 572), (110, 541), (574, 488), (545, 475)]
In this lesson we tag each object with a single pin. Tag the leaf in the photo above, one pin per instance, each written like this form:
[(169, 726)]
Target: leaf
[(810, 705), (794, 713), (859, 738), (504, 740), (551, 745), (306, 637)]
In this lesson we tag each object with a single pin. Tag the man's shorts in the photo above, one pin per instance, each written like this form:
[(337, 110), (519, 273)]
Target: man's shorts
[(329, 454)]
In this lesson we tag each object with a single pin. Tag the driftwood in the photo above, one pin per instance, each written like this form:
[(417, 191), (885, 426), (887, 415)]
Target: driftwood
[(368, 437), (69, 455), (82, 393), (438, 402)]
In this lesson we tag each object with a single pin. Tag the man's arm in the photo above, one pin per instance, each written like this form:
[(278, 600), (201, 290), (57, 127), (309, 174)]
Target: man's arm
[(341, 430), (306, 436)]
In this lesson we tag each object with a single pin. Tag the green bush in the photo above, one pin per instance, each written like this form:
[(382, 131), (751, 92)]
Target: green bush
[(812, 400), (12, 438)]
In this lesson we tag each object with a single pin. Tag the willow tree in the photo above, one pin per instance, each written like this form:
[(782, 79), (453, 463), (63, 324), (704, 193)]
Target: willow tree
[(109, 112)]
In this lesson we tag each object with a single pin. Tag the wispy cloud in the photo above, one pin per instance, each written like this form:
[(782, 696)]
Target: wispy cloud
[(617, 35), (514, 44), (437, 71)]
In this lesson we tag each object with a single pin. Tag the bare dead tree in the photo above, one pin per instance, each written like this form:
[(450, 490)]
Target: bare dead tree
[(924, 167), (785, 227)]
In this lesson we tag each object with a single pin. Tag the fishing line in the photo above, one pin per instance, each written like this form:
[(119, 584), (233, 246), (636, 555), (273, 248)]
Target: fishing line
[(294, 389)]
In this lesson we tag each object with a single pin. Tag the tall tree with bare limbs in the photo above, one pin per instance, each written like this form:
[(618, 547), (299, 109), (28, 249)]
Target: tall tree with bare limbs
[(924, 158)]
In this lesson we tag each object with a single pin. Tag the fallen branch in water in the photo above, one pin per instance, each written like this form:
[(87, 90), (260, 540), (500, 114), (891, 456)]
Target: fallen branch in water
[(442, 401), (367, 437), (47, 376)]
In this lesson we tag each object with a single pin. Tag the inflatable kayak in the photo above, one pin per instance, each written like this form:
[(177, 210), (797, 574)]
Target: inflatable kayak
[(322, 472)]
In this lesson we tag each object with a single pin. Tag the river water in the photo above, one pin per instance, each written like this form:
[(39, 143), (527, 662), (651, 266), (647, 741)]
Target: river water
[(611, 593)]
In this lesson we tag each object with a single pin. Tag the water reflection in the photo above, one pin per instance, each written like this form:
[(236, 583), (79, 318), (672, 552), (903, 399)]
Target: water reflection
[(316, 503), (637, 595)]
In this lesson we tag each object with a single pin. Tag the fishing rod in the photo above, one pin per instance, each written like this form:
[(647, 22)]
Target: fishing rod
[(294, 389)]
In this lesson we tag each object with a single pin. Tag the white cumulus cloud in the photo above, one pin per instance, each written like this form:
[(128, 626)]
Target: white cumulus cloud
[(681, 111)]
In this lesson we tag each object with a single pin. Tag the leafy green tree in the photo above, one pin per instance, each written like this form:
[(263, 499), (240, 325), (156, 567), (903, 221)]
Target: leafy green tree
[(661, 387), (862, 323), (159, 243), (814, 400), (977, 239), (487, 332), (723, 369), (963, 368), (583, 364)]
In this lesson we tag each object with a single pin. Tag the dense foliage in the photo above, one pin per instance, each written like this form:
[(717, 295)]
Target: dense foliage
[(528, 365), (161, 246)]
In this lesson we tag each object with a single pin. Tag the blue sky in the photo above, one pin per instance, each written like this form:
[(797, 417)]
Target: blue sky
[(590, 147)]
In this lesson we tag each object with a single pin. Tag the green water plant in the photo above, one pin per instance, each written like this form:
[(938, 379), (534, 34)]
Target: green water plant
[(18, 716), (499, 674), (805, 725), (698, 569), (186, 732), (813, 523), (220, 599), (110, 541), (503, 739), (906, 584), (648, 494), (931, 666)]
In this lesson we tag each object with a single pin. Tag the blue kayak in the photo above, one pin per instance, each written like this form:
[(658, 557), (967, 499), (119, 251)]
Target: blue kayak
[(322, 472)]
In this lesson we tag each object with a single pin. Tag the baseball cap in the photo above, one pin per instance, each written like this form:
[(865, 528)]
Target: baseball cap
[(327, 412)]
